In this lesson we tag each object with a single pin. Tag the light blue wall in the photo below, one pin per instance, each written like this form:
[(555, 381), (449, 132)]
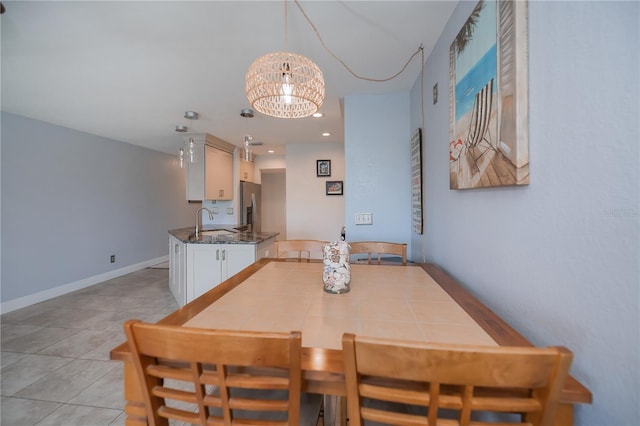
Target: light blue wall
[(71, 199), (377, 166), (557, 259)]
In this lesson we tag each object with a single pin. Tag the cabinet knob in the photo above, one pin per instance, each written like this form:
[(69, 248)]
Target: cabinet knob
[(224, 255), (218, 254)]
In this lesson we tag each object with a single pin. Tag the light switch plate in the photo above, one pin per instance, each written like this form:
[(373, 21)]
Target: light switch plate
[(229, 210), (364, 218)]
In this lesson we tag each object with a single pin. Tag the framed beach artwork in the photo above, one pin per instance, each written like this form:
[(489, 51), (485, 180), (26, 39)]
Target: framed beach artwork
[(488, 91)]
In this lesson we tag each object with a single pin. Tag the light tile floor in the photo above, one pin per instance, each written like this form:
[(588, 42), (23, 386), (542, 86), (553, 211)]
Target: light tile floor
[(55, 354)]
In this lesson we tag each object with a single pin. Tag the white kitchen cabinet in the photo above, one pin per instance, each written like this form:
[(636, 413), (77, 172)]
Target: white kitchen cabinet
[(210, 264), (218, 174), (178, 270), (210, 175), (196, 268), (247, 173)]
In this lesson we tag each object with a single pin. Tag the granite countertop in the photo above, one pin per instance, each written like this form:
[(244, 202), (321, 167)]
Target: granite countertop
[(231, 236)]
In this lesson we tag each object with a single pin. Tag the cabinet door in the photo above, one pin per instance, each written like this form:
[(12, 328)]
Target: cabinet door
[(237, 257), (195, 174), (177, 270), (226, 175), (218, 174), (246, 171), (203, 269)]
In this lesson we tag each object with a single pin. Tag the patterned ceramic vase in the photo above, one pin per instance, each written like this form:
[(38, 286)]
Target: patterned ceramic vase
[(336, 274)]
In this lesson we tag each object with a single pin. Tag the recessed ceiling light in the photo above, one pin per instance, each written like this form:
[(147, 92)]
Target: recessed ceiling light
[(191, 115), (181, 129), (326, 134), (270, 151), (318, 114)]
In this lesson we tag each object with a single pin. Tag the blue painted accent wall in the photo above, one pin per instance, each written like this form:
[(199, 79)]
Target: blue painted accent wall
[(378, 166), (558, 259)]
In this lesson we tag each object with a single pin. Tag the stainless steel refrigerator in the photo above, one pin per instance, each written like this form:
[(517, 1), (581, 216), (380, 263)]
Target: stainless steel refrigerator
[(250, 214)]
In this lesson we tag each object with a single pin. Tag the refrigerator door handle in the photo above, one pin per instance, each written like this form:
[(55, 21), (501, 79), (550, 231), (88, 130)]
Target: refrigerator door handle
[(253, 208)]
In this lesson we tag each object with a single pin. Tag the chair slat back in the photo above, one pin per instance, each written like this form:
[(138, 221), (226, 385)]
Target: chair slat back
[(205, 376), (300, 249), (463, 380), (379, 248)]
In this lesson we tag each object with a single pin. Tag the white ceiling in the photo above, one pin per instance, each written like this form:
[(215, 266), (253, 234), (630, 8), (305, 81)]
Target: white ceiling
[(129, 70)]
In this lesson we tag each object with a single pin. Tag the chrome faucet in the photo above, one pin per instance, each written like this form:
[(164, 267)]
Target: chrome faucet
[(199, 216)]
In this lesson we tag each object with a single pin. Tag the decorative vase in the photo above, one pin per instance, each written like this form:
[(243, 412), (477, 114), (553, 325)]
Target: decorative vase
[(336, 274)]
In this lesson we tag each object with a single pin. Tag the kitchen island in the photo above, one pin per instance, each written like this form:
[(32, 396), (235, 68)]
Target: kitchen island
[(198, 264)]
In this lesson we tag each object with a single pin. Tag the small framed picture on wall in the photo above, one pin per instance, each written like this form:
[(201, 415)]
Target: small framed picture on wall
[(323, 168), (334, 187)]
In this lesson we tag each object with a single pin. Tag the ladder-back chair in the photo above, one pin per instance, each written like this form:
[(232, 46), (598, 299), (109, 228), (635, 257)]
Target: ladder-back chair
[(446, 381), (300, 249), (379, 248), (206, 376)]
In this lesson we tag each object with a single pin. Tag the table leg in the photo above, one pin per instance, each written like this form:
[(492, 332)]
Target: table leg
[(335, 410)]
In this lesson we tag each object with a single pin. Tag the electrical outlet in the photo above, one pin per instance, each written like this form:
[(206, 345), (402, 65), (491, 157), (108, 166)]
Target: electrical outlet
[(229, 210), (112, 259)]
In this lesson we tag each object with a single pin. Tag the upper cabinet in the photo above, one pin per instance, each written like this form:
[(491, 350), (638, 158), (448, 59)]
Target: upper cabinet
[(210, 176), (246, 170)]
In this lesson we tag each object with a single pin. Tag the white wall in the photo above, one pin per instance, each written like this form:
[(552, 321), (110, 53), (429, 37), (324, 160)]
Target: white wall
[(557, 259), (377, 167), (268, 162), (310, 213), (274, 203), (71, 199)]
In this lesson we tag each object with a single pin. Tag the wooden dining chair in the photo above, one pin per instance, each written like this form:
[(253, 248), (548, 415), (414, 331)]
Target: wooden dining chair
[(206, 376), (379, 248), (300, 249), (444, 381)]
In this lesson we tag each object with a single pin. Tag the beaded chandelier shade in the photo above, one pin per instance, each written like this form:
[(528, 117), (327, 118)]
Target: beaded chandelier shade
[(285, 84)]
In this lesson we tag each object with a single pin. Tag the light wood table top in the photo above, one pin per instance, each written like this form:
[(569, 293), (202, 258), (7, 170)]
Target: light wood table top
[(384, 301)]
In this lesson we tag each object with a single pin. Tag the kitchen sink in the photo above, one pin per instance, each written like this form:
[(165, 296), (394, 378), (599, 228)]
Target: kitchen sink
[(217, 233)]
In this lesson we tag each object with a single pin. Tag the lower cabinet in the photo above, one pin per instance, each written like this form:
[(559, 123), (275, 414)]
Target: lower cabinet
[(178, 270), (195, 269), (210, 264)]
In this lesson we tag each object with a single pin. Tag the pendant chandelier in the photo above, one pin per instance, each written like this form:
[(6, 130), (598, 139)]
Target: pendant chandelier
[(285, 84)]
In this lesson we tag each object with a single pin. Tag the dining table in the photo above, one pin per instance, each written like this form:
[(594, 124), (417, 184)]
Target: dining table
[(419, 302)]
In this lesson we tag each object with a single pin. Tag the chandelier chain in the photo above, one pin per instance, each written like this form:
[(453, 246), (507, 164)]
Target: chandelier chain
[(378, 80)]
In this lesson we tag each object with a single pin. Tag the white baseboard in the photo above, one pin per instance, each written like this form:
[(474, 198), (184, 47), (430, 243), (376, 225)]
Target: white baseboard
[(41, 296)]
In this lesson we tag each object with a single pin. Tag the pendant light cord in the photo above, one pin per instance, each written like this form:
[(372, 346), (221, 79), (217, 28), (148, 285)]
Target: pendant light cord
[(286, 29), (378, 80)]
